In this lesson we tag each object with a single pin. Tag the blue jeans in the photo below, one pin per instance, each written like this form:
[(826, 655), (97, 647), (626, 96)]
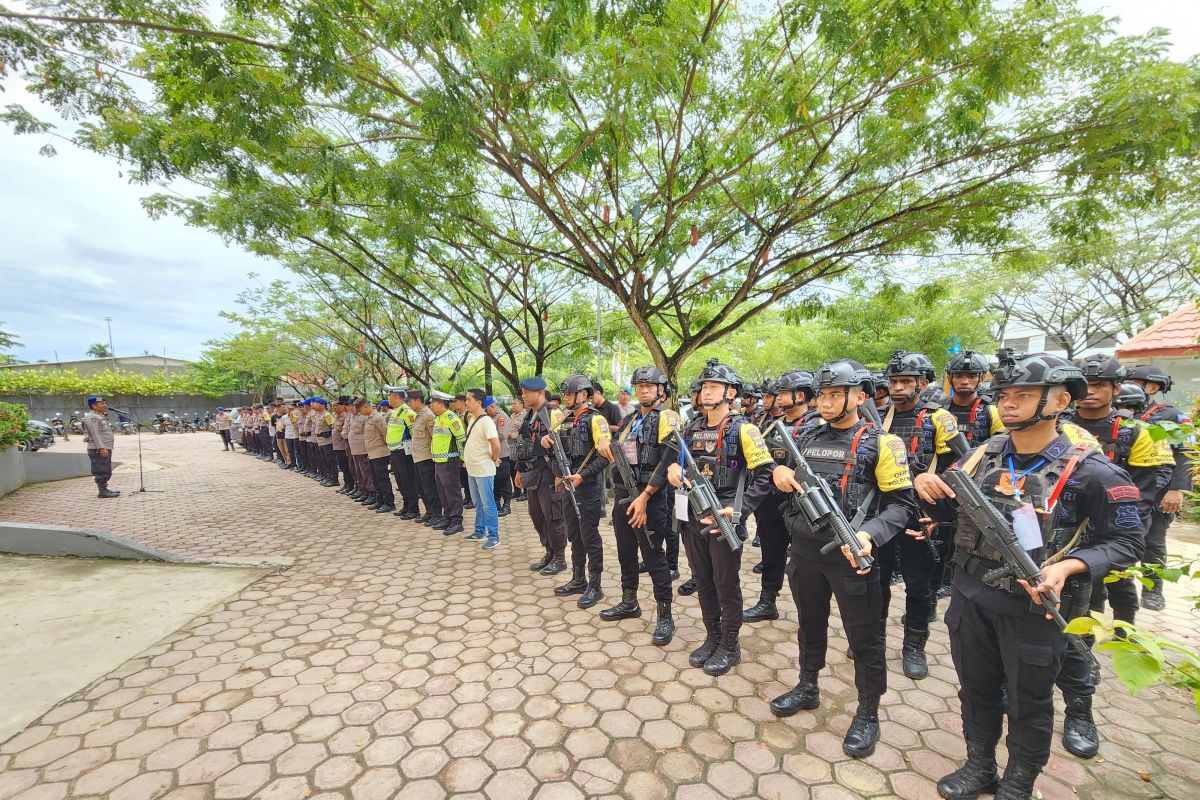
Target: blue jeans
[(487, 521)]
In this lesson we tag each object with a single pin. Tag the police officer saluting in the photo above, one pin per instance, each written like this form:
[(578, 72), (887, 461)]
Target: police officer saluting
[(643, 521), (1153, 380), (532, 462), (585, 438), (997, 639), (794, 391), (867, 473), (932, 441), (729, 451)]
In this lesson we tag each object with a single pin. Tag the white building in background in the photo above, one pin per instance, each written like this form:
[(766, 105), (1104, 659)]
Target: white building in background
[(1027, 339)]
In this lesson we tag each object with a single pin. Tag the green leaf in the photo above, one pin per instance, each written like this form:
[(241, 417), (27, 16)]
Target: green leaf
[(1136, 669), (1081, 626)]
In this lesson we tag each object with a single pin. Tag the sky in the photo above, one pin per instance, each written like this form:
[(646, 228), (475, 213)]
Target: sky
[(76, 245)]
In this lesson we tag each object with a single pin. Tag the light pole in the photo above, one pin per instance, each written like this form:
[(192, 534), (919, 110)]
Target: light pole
[(112, 354)]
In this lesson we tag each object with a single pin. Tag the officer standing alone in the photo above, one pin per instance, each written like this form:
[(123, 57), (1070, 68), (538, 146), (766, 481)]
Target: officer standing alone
[(99, 438)]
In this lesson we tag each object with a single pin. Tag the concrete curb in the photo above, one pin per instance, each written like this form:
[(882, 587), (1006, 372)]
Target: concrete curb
[(27, 539)]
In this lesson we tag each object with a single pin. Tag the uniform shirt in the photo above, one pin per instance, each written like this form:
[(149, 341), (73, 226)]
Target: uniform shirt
[(880, 464), (339, 428), (375, 436), (422, 435), (446, 437), (927, 434), (751, 454), (355, 439), (222, 421), (633, 434), (513, 431), (99, 432), (323, 427), (1130, 447), (1097, 490), (399, 427), (477, 449), (978, 420), (503, 425), (1181, 477)]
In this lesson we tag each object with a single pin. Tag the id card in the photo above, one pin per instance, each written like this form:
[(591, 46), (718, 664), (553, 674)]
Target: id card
[(630, 449), (1026, 527), (681, 505)]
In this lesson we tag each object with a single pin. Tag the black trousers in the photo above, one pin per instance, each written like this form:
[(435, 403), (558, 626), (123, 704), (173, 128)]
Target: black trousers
[(814, 577), (502, 489), (343, 464), (328, 461), (774, 537), (1075, 675), (942, 573), (715, 570), (300, 448), (226, 439), (383, 485), (449, 487), (428, 486), (917, 566), (547, 510), (101, 467), (405, 474), (583, 530), (267, 442), (1155, 551), (1021, 653), (648, 540)]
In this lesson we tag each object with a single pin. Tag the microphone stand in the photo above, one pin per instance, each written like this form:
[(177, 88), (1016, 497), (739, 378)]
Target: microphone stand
[(137, 424)]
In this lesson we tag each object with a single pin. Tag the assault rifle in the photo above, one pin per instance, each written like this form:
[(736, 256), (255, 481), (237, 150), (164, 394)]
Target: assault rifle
[(562, 462), (625, 472), (1015, 561), (816, 503), (702, 497)]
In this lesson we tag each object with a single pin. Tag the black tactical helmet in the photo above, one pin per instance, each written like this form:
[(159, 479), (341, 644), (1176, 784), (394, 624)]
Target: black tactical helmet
[(771, 387), (1130, 395), (1038, 369), (575, 382), (932, 395), (1101, 368), (648, 375), (752, 390), (1153, 373), (796, 380), (843, 372), (716, 372), (906, 363), (967, 361), (694, 388)]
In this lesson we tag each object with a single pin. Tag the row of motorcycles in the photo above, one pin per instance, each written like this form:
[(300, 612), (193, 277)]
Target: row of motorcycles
[(168, 422)]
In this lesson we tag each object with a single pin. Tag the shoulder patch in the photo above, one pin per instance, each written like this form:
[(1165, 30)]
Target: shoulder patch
[(1126, 517), (1123, 493), (897, 448), (946, 420)]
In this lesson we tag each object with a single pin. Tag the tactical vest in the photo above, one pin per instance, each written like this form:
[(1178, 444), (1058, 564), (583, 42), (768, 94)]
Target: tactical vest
[(778, 452), (916, 430), (528, 446), (845, 462), (649, 451), (716, 451), (975, 420), (973, 553), (578, 444), (1116, 440)]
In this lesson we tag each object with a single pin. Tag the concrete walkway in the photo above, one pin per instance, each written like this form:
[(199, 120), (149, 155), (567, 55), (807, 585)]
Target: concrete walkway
[(391, 661)]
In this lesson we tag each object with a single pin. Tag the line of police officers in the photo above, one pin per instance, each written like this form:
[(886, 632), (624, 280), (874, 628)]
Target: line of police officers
[(1088, 483)]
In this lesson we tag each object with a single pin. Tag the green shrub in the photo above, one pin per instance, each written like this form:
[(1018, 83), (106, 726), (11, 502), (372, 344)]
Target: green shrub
[(14, 425)]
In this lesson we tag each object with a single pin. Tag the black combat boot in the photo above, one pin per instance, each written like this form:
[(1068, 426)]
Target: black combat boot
[(863, 735), (686, 588), (727, 655), (1153, 600), (544, 562), (628, 608), (702, 653), (977, 776), (664, 630), (758, 568), (592, 594), (804, 696), (574, 586), (557, 564), (106, 492), (1018, 780), (1080, 736), (764, 610), (912, 654)]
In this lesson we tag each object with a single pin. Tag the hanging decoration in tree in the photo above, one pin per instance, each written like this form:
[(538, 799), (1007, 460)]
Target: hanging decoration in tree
[(765, 255), (606, 210), (746, 228), (705, 281), (636, 211), (695, 235)]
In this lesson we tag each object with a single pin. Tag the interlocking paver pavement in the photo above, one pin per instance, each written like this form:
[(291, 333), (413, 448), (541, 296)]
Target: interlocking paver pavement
[(391, 661)]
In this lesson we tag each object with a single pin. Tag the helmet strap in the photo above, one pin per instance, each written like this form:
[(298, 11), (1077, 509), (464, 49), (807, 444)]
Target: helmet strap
[(1038, 416), (845, 405)]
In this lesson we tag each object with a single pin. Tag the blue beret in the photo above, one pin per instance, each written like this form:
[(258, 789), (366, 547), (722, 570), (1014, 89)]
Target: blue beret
[(302, 403), (489, 401), (220, 408), (93, 399), (320, 400), (535, 384), (383, 404)]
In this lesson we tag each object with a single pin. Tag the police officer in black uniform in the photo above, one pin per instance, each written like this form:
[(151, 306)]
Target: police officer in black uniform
[(585, 438), (932, 441), (730, 452), (643, 521), (794, 390), (999, 642), (867, 473), (1149, 465), (531, 460), (1153, 380)]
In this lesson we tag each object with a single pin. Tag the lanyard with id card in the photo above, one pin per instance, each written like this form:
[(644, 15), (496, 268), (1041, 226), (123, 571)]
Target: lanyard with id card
[(1025, 521)]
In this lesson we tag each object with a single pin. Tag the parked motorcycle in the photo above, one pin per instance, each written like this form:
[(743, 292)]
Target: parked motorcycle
[(43, 437), (59, 426), (76, 423)]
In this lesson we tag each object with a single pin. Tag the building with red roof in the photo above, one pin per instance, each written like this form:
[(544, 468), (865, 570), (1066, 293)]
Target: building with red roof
[(1174, 344)]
